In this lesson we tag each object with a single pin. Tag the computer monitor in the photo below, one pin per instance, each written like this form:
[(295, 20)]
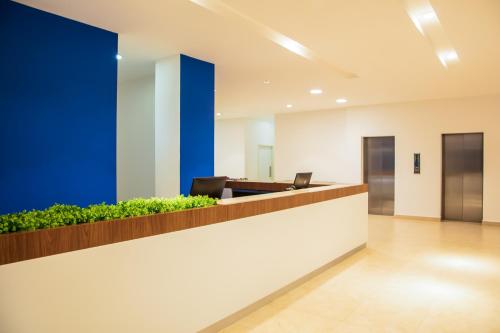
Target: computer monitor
[(211, 186), (302, 180)]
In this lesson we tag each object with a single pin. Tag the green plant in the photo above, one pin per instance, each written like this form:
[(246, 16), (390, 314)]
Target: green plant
[(60, 215)]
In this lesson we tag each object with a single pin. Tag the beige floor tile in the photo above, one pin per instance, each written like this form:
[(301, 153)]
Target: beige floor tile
[(414, 276)]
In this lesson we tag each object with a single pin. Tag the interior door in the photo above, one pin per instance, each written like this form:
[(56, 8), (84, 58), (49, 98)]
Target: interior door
[(462, 194), (265, 163), (378, 173)]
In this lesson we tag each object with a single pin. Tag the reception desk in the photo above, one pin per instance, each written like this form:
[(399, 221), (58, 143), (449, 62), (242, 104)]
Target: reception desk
[(251, 187), (186, 271)]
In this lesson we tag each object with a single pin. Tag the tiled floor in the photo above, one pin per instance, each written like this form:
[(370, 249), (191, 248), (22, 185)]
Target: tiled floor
[(414, 276)]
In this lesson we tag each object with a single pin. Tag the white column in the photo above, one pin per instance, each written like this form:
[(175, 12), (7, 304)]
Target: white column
[(167, 127)]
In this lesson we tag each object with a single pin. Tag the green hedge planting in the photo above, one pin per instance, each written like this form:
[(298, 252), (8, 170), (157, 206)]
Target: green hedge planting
[(61, 215)]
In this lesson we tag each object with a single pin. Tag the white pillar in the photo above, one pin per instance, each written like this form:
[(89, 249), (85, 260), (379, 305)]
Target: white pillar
[(167, 127)]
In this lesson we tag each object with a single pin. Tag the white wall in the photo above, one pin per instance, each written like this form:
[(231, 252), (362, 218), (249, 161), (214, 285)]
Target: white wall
[(258, 132), (236, 145), (329, 143), (136, 139), (314, 141), (179, 282), (230, 148)]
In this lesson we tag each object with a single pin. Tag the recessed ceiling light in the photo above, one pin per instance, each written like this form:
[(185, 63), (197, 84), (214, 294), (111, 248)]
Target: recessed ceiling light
[(289, 106), (341, 100), (267, 82), (218, 114), (118, 57), (316, 91)]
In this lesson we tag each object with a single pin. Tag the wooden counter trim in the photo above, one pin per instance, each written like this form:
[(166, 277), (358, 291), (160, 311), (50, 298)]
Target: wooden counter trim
[(264, 206), (21, 246)]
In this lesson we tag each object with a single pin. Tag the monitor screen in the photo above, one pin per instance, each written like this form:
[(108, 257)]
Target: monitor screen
[(302, 180), (211, 186)]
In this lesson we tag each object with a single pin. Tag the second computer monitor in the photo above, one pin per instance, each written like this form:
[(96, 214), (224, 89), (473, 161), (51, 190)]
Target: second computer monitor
[(302, 180)]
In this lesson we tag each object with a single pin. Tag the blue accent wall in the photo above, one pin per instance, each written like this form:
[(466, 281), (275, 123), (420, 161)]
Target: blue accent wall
[(57, 110), (196, 121)]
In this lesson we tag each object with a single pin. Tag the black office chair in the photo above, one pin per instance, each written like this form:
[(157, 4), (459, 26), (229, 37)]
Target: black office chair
[(211, 186)]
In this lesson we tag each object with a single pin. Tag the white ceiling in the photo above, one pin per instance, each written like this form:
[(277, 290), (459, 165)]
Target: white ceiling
[(376, 40)]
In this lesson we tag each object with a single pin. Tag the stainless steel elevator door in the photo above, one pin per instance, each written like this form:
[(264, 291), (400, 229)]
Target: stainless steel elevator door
[(378, 173), (463, 177)]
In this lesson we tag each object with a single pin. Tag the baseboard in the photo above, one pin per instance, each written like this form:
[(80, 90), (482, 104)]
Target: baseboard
[(421, 218), (437, 219), (495, 224), (225, 322)]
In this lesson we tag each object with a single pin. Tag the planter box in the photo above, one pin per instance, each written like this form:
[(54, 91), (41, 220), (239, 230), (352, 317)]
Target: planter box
[(21, 246), (45, 242)]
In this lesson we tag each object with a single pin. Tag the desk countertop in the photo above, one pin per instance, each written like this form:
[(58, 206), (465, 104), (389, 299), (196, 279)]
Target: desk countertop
[(275, 186), (281, 194)]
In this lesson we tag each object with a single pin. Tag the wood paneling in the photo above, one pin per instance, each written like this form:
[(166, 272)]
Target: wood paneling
[(21, 246)]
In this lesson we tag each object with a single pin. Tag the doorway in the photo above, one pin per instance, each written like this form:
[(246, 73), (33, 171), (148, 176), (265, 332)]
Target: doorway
[(462, 177), (378, 173), (265, 163)]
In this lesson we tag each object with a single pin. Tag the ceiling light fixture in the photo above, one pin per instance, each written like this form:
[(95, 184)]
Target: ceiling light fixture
[(422, 15), (429, 17), (267, 82), (220, 7), (291, 45), (426, 20), (423, 19), (218, 114), (119, 57), (316, 91), (448, 57), (289, 106), (341, 100)]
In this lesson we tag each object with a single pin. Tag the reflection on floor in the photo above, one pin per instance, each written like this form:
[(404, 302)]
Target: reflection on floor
[(415, 276)]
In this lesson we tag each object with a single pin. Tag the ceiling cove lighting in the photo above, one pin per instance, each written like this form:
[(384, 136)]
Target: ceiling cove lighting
[(316, 91), (448, 57), (341, 100), (423, 18), (118, 57), (426, 20), (291, 45), (219, 7)]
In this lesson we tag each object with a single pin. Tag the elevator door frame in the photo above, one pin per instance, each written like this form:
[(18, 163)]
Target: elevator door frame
[(443, 176), (365, 171)]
